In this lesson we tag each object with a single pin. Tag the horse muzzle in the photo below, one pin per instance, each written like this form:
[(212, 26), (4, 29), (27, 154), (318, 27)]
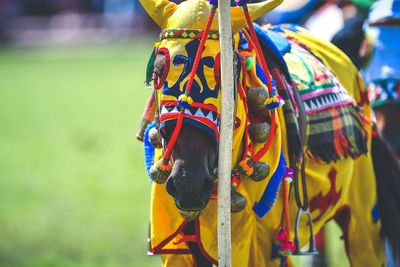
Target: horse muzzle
[(190, 215), (191, 195)]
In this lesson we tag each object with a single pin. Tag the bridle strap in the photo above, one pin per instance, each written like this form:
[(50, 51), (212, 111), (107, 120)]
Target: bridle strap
[(188, 34), (179, 123)]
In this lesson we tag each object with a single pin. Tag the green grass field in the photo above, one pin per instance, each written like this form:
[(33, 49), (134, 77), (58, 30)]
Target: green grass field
[(73, 188)]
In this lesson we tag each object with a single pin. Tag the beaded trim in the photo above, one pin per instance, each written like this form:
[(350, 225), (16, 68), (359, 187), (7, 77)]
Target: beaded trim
[(187, 34)]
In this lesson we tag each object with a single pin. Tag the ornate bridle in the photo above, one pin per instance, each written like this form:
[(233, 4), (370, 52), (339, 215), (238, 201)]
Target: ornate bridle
[(162, 169)]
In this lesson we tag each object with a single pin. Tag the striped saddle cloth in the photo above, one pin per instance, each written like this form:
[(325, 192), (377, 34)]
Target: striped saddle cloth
[(334, 127)]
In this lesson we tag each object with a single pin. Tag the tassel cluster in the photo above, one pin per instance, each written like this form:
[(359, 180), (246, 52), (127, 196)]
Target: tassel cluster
[(244, 168), (163, 168), (274, 102), (185, 101), (283, 245), (288, 175), (245, 55)]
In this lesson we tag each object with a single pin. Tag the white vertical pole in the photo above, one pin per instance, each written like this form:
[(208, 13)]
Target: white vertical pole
[(226, 132)]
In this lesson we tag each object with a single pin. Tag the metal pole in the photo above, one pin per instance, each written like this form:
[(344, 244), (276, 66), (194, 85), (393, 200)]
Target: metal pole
[(226, 132)]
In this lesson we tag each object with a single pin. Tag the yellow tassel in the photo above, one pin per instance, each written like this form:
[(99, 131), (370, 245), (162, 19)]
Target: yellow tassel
[(186, 98)]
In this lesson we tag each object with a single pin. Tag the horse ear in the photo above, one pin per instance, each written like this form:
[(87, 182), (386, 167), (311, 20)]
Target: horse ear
[(159, 10), (256, 10)]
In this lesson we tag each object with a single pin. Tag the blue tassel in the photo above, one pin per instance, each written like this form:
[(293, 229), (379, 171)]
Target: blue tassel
[(183, 104), (149, 149)]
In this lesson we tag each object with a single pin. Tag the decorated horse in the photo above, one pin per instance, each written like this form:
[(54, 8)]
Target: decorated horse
[(303, 150)]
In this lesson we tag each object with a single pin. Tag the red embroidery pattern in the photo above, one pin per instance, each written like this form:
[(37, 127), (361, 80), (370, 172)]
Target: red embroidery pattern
[(323, 203)]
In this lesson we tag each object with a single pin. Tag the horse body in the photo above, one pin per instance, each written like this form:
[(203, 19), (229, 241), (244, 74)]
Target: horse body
[(343, 188)]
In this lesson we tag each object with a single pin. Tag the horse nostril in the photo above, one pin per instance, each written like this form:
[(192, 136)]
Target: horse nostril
[(171, 188)]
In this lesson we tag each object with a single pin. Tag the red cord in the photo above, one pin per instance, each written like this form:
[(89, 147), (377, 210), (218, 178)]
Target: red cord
[(179, 123), (267, 145), (259, 53), (200, 49), (258, 48), (174, 136), (244, 89)]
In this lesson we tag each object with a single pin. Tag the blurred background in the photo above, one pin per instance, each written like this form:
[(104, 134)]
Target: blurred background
[(73, 186)]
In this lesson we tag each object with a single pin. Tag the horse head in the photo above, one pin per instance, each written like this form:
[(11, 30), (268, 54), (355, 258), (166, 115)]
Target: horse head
[(194, 152)]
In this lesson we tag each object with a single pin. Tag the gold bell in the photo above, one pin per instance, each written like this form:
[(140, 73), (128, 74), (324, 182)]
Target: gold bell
[(259, 132), (260, 171), (256, 97), (157, 176), (238, 201), (154, 138)]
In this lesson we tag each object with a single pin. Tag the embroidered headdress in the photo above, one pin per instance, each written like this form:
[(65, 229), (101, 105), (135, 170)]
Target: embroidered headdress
[(180, 38)]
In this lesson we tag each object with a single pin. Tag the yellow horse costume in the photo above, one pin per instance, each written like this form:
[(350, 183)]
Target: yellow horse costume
[(348, 184)]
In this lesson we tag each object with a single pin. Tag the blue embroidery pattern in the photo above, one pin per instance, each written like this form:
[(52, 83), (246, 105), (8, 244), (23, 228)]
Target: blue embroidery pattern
[(199, 93)]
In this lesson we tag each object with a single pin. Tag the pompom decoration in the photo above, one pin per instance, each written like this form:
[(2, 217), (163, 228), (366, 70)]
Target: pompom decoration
[(163, 168), (284, 246), (213, 2), (244, 168), (249, 61), (274, 102), (288, 175), (185, 101)]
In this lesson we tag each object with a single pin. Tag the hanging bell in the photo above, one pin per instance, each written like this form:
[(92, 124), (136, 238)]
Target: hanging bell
[(256, 97), (260, 171), (154, 138), (160, 172), (238, 201), (259, 132)]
